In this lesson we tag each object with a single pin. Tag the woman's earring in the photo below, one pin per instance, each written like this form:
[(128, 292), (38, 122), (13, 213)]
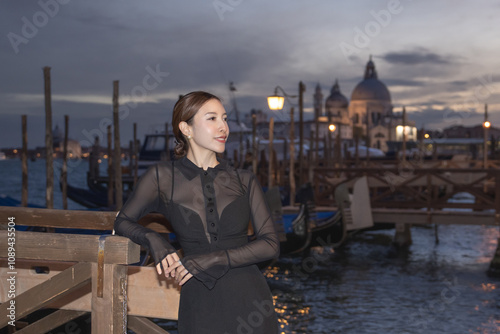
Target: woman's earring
[(189, 137)]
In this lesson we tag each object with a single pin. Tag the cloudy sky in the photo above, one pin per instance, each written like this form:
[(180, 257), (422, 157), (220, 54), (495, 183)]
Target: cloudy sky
[(438, 58)]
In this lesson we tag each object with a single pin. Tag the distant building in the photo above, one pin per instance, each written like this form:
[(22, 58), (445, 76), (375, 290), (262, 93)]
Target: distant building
[(369, 115), (476, 131), (74, 147)]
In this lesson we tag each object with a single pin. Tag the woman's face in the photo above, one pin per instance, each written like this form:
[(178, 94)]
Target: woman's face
[(209, 130)]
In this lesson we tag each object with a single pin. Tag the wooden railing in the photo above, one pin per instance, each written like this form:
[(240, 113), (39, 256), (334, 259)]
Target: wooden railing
[(76, 274), (415, 188)]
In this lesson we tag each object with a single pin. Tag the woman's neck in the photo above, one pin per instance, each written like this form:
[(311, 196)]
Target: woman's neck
[(205, 161)]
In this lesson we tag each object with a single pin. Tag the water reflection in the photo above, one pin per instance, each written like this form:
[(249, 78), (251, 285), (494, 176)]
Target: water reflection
[(368, 287)]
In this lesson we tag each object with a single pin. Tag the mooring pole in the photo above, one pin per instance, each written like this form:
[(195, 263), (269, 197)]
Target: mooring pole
[(49, 191), (111, 174), (24, 159), (136, 157), (271, 149), (254, 144), (117, 152), (64, 172)]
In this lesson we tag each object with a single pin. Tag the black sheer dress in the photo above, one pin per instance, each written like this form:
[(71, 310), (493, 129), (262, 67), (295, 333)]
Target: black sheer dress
[(210, 211)]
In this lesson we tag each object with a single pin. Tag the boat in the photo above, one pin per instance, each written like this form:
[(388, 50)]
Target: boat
[(6, 200)]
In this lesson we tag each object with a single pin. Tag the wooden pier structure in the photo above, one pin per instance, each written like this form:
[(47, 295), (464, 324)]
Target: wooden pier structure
[(79, 274)]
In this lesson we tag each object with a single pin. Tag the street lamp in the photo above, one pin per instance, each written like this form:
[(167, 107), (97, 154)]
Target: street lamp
[(276, 102), (486, 126), (331, 129)]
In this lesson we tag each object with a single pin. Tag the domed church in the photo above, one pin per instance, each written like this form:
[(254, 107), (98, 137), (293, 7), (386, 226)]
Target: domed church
[(368, 115)]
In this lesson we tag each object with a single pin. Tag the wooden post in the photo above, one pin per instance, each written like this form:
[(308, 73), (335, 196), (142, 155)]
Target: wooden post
[(117, 153), (111, 174), (291, 174), (368, 139), (326, 149), (167, 147), (109, 313), (136, 154), (64, 173), (312, 147), (329, 150), (49, 192), (338, 147), (254, 143), (356, 151), (404, 135), (310, 171), (270, 164), (24, 158), (302, 89), (237, 163), (131, 153), (402, 239), (485, 138), (262, 165), (316, 146), (494, 269)]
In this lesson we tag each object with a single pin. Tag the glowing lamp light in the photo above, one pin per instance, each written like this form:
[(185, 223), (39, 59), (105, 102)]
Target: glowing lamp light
[(426, 136), (331, 127), (275, 102), (486, 124)]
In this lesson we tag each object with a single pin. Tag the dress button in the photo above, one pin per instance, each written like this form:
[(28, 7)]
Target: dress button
[(211, 210), (212, 224), (210, 199), (215, 238), (205, 173)]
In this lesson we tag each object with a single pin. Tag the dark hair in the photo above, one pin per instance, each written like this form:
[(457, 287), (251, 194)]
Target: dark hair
[(184, 110)]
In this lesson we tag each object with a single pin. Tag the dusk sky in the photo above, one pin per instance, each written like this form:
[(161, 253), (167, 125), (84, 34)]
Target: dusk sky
[(440, 59)]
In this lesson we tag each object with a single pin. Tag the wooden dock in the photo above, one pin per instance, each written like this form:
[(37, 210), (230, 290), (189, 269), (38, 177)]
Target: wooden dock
[(79, 274)]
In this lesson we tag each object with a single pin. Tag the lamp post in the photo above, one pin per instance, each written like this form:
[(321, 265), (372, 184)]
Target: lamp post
[(404, 134), (486, 126), (331, 129), (276, 102)]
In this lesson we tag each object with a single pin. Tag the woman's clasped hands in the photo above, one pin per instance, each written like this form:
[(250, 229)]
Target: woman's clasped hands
[(174, 268)]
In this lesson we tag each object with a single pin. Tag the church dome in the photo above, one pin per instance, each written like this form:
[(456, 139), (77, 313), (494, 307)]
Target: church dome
[(336, 98), (371, 88)]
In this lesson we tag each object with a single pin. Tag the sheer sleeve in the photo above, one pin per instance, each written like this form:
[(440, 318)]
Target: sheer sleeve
[(210, 267), (143, 200)]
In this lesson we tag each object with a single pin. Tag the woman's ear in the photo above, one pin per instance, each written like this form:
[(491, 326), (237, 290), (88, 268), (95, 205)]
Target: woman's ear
[(184, 127)]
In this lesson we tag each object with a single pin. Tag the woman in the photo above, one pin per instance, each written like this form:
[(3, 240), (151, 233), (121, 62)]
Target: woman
[(209, 204)]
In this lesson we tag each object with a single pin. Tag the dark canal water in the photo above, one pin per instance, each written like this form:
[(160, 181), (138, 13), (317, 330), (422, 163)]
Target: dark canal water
[(365, 286)]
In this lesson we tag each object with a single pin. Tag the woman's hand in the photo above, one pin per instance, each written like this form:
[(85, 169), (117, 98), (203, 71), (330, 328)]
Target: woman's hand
[(173, 267), (182, 275)]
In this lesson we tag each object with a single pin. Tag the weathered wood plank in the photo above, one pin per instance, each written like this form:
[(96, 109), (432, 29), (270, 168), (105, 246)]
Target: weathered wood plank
[(53, 320), (149, 295), (46, 292), (142, 325), (71, 247), (89, 220), (109, 313)]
